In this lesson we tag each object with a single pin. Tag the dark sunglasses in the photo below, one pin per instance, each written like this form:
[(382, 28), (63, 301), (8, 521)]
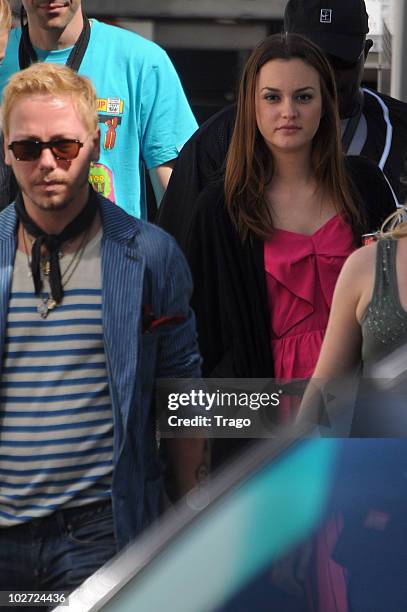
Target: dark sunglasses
[(30, 150)]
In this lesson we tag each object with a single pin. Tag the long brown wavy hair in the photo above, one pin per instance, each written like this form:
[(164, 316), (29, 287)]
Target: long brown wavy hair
[(249, 163)]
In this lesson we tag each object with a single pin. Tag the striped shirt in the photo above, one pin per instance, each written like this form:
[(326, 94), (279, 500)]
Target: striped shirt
[(56, 425)]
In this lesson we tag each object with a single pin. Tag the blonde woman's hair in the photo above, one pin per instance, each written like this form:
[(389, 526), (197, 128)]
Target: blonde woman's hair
[(6, 19), (54, 80), (395, 226)]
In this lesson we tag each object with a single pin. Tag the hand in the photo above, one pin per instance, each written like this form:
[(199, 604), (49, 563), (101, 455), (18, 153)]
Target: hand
[(290, 572)]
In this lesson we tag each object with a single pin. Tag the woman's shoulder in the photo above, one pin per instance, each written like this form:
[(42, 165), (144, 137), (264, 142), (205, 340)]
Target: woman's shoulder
[(356, 280), (359, 263), (212, 198)]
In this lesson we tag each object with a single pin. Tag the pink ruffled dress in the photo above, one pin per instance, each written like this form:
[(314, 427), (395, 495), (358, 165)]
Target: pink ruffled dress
[(301, 272)]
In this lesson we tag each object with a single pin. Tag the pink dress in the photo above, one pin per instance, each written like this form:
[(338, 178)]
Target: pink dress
[(301, 272)]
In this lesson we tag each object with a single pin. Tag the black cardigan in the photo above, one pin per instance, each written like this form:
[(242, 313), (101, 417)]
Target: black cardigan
[(230, 299)]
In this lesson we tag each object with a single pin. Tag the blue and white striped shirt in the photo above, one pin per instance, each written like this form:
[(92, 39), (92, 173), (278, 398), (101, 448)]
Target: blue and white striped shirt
[(56, 426)]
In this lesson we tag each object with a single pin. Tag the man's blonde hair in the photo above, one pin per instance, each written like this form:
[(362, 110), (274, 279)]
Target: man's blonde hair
[(6, 19), (55, 80)]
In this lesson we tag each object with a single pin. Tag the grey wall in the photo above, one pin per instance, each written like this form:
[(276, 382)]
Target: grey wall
[(188, 9)]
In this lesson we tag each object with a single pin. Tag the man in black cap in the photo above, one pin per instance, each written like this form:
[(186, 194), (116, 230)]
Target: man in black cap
[(373, 125), (341, 32)]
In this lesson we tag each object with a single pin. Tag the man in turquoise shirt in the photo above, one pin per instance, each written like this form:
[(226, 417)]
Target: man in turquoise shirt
[(143, 112)]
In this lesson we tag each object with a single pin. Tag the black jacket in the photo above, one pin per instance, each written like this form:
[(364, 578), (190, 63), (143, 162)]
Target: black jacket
[(200, 162), (230, 299), (378, 131)]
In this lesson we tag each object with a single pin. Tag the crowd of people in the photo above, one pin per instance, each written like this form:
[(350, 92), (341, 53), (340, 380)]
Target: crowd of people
[(265, 203)]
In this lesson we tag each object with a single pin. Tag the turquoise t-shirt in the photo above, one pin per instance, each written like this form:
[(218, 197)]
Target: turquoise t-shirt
[(144, 115)]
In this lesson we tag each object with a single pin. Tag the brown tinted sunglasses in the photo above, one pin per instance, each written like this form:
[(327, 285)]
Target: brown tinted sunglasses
[(30, 150)]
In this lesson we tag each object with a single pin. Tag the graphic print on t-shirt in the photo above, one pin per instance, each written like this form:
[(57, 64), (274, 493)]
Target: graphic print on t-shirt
[(101, 179), (110, 113)]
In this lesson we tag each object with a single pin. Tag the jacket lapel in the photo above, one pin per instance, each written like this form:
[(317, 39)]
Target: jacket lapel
[(122, 285)]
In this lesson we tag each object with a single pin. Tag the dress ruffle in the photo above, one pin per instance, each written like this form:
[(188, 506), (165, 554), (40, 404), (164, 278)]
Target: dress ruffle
[(302, 272)]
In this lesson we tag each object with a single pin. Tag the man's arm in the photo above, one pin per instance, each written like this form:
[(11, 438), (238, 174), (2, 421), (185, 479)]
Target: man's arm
[(188, 464), (166, 119), (160, 176), (188, 459)]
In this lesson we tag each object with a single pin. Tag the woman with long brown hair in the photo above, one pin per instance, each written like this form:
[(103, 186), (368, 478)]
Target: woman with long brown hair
[(268, 241)]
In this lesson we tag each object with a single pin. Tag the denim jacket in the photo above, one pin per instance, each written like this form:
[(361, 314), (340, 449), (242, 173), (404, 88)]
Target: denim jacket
[(141, 267)]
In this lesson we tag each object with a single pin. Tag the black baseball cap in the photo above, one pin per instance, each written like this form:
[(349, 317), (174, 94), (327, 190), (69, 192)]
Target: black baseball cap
[(339, 27)]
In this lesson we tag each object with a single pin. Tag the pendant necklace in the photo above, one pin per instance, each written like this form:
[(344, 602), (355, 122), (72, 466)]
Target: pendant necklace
[(47, 302)]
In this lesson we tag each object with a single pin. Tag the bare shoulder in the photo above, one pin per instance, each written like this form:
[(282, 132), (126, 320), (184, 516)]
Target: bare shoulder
[(361, 264), (363, 257), (356, 280), (402, 247)]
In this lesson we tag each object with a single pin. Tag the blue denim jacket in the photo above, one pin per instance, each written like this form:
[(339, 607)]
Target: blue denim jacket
[(141, 266)]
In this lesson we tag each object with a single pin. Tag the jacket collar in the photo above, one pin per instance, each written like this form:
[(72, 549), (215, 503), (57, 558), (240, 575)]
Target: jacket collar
[(118, 226)]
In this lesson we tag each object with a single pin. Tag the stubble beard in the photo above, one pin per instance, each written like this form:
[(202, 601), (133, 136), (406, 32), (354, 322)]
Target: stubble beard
[(58, 202), (52, 203)]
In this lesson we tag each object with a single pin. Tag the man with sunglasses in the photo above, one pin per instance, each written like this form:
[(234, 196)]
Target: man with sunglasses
[(373, 125), (93, 307), (144, 116)]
